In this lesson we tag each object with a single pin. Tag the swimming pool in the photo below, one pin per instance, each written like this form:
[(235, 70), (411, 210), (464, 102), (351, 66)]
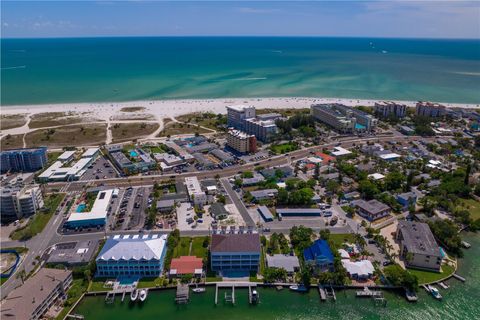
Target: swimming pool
[(81, 207), (133, 153)]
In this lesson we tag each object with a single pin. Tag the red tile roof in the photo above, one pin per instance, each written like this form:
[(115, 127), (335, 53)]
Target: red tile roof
[(186, 264), (325, 157)]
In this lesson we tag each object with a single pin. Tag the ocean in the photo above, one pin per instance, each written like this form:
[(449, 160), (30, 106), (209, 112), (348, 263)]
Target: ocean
[(460, 301), (71, 70)]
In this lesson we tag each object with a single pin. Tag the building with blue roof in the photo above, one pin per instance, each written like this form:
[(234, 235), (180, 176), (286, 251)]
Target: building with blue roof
[(132, 256), (319, 255)]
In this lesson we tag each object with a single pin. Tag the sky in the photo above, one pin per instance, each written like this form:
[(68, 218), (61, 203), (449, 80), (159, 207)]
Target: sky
[(393, 18)]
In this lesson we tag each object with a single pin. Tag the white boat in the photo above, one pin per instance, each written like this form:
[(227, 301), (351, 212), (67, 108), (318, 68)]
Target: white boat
[(435, 293), (443, 285), (299, 288), (143, 295), (133, 295), (199, 290), (255, 296)]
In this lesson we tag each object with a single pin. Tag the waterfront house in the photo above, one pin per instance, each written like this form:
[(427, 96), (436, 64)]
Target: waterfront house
[(186, 265), (288, 262), (418, 247), (319, 255), (358, 270), (235, 252), (132, 256)]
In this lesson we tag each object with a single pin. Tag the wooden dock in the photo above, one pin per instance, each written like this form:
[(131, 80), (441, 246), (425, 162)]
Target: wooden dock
[(331, 293), (182, 295), (231, 297), (323, 294), (456, 276)]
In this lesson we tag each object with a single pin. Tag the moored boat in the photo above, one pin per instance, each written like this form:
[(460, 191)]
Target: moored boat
[(435, 293), (298, 288), (133, 295), (143, 295), (198, 290)]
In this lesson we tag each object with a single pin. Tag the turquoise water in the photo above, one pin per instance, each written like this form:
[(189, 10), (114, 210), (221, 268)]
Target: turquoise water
[(36, 71), (459, 302), (81, 207), (133, 153)]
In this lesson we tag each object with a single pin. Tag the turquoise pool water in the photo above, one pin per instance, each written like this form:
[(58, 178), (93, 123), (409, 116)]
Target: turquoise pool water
[(81, 207), (359, 126), (133, 153)]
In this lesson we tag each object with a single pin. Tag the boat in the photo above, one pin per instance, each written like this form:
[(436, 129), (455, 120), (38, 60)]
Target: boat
[(411, 296), (255, 296), (443, 285), (466, 245), (143, 295), (133, 295), (279, 288), (298, 288), (435, 293), (199, 290)]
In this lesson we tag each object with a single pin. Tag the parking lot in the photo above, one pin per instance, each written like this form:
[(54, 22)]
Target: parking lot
[(130, 213), (100, 169)]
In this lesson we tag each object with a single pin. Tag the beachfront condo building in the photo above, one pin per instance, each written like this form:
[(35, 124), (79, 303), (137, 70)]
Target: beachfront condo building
[(343, 118), (138, 255), (235, 252), (236, 115), (418, 247), (19, 202), (244, 118), (241, 141), (23, 160), (429, 109), (387, 109), (37, 295)]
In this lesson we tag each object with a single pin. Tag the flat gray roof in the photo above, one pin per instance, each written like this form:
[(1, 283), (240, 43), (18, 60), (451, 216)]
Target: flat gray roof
[(372, 206), (418, 238), (287, 262), (265, 213)]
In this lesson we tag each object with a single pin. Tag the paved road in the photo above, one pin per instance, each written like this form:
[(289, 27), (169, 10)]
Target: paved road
[(238, 203)]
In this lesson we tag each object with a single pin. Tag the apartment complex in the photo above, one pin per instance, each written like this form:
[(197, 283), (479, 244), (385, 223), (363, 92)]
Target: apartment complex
[(244, 118), (241, 141), (343, 118), (23, 160), (387, 109), (96, 217), (132, 256), (37, 295), (195, 193), (418, 247), (235, 252), (430, 109), (19, 202)]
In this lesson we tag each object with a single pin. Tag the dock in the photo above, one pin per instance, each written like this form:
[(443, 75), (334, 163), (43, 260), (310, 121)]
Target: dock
[(323, 294), (330, 292), (231, 297), (411, 296), (182, 296), (443, 285), (75, 316), (456, 276)]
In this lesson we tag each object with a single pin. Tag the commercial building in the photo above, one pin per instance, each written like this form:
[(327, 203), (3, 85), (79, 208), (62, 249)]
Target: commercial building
[(265, 213), (19, 202), (386, 109), (429, 109), (204, 162), (265, 194), (59, 172), (371, 210), (407, 130), (319, 255), (138, 160), (66, 156), (237, 114), (186, 265), (182, 153), (218, 211), (241, 141), (23, 160), (37, 295), (299, 212), (165, 205), (343, 118), (340, 152), (195, 193), (235, 252), (288, 262), (73, 253), (224, 157), (91, 153), (132, 256), (96, 217), (418, 247)]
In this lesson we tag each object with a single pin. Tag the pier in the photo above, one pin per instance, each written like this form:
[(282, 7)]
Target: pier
[(367, 293), (323, 294), (231, 297), (456, 276), (331, 293), (75, 316), (182, 295)]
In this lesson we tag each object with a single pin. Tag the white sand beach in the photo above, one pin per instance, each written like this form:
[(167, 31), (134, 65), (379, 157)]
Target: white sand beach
[(161, 109)]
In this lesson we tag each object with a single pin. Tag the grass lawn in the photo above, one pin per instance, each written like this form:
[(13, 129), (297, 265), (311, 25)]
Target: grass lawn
[(340, 238), (150, 282), (283, 148), (2, 280), (213, 279), (156, 149), (429, 276), (183, 247), (36, 224), (76, 135), (129, 131), (97, 285), (175, 128), (473, 207), (52, 156), (10, 121), (11, 141), (197, 248), (79, 286)]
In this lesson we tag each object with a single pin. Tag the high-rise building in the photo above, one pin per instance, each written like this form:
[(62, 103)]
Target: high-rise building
[(18, 202), (241, 141), (343, 118), (23, 160), (236, 115), (387, 109), (429, 109)]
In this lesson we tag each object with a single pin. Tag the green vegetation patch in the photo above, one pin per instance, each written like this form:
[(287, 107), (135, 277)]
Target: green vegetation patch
[(425, 276), (77, 135), (11, 141), (10, 121), (38, 222), (79, 286), (340, 238), (200, 247), (129, 131), (175, 128), (284, 147), (183, 247), (473, 207)]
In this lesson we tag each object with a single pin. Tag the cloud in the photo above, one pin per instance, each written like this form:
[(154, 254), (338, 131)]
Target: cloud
[(256, 10), (5, 24)]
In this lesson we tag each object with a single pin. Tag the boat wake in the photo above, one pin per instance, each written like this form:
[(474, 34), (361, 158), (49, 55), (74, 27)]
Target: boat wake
[(16, 67)]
